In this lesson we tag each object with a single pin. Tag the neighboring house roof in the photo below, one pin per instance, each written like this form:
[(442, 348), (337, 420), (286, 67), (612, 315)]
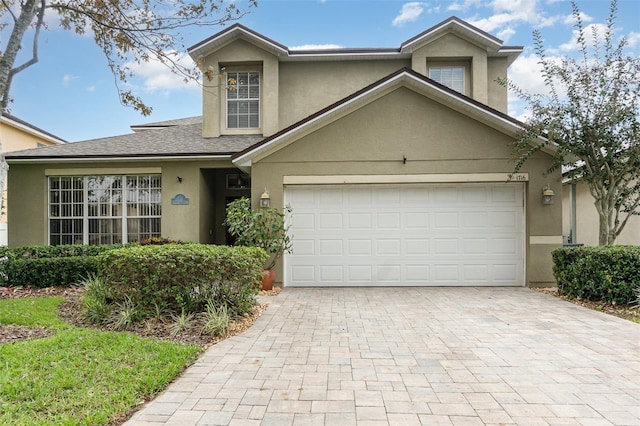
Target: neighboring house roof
[(403, 77), (492, 44), (13, 121), (175, 141)]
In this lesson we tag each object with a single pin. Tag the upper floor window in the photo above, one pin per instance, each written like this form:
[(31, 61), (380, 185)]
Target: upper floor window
[(243, 100), (452, 77)]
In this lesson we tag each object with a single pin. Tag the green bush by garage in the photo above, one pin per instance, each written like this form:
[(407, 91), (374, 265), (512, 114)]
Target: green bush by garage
[(609, 274), (183, 277)]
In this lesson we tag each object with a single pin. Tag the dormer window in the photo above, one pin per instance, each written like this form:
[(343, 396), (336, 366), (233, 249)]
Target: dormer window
[(452, 77), (243, 100)]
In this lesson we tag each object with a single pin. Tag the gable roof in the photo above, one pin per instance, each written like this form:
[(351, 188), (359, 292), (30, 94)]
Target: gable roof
[(404, 77), (493, 45), (178, 141), (232, 33)]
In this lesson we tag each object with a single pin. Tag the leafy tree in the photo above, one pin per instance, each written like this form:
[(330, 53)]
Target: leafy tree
[(591, 116), (127, 31)]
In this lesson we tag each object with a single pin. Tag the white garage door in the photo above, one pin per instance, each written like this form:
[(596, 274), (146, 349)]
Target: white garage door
[(409, 235)]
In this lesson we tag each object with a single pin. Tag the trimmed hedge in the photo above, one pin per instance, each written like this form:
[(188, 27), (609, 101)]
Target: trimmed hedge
[(606, 273), (183, 277), (47, 266)]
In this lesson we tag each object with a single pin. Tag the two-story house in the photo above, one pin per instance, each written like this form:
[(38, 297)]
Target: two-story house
[(396, 163), (17, 135)]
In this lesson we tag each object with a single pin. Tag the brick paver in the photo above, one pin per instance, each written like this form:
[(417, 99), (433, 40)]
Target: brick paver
[(431, 356)]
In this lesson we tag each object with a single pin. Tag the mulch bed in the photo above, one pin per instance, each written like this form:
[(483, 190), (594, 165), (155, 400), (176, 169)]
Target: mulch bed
[(70, 310)]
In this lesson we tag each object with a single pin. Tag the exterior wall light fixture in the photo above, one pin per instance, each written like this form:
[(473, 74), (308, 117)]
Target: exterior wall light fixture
[(179, 179), (547, 196), (265, 199)]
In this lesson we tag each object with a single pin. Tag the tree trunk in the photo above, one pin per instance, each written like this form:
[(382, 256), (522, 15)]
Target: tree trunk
[(3, 174), (607, 229), (7, 60)]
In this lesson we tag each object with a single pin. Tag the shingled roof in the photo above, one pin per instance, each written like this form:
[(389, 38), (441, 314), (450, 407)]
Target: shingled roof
[(183, 140)]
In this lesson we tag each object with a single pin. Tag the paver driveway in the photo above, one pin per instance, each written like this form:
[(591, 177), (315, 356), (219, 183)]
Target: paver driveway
[(434, 356)]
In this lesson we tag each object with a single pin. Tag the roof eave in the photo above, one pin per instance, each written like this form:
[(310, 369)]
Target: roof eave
[(226, 36), (456, 25), (459, 102), (106, 158)]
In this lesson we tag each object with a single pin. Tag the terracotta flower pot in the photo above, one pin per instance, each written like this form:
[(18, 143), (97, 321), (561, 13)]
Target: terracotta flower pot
[(268, 277)]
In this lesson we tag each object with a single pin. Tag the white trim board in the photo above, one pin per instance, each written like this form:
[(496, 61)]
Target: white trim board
[(420, 178)]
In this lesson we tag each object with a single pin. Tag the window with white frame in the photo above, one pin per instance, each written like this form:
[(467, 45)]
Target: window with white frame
[(452, 77), (107, 209), (243, 100)]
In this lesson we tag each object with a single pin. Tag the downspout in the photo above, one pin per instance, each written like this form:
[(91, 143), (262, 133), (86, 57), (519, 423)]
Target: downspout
[(572, 213)]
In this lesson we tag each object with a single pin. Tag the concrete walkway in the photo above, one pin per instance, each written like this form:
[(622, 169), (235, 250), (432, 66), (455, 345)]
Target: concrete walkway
[(410, 356)]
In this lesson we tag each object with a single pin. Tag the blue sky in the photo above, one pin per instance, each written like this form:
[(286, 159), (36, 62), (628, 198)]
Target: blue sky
[(71, 93)]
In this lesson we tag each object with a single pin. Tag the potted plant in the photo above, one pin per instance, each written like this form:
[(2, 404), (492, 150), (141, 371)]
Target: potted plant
[(265, 228)]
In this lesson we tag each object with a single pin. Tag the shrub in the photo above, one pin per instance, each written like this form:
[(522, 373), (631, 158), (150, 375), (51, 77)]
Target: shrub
[(264, 228), (95, 300), (183, 277), (607, 273), (216, 320), (48, 271), (158, 241), (46, 266)]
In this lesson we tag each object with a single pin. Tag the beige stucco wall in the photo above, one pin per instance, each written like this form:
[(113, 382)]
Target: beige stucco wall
[(587, 219), (497, 68), (452, 47), (240, 55), (190, 222), (15, 139), (293, 90), (307, 87), (435, 139)]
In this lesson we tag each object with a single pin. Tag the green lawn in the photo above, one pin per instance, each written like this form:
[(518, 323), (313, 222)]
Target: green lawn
[(78, 375)]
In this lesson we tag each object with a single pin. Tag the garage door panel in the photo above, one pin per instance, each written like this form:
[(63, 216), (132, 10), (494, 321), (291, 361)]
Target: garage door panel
[(331, 248), (360, 220), (427, 235), (361, 273), (303, 247), (417, 246)]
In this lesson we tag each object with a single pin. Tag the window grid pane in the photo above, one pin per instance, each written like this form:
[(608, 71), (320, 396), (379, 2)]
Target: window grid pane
[(452, 77), (103, 208), (65, 210), (243, 100)]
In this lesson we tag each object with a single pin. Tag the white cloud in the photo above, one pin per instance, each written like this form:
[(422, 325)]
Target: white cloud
[(634, 39), (506, 33), (158, 77), (316, 47), (410, 12), (573, 44), (526, 73), (571, 20), (68, 78), (91, 89), (509, 14), (466, 4)]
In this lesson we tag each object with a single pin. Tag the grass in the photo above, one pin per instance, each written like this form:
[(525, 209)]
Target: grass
[(79, 375), (32, 312)]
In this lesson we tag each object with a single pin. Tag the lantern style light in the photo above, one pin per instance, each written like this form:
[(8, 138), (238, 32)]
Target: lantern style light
[(547, 196), (265, 199)]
